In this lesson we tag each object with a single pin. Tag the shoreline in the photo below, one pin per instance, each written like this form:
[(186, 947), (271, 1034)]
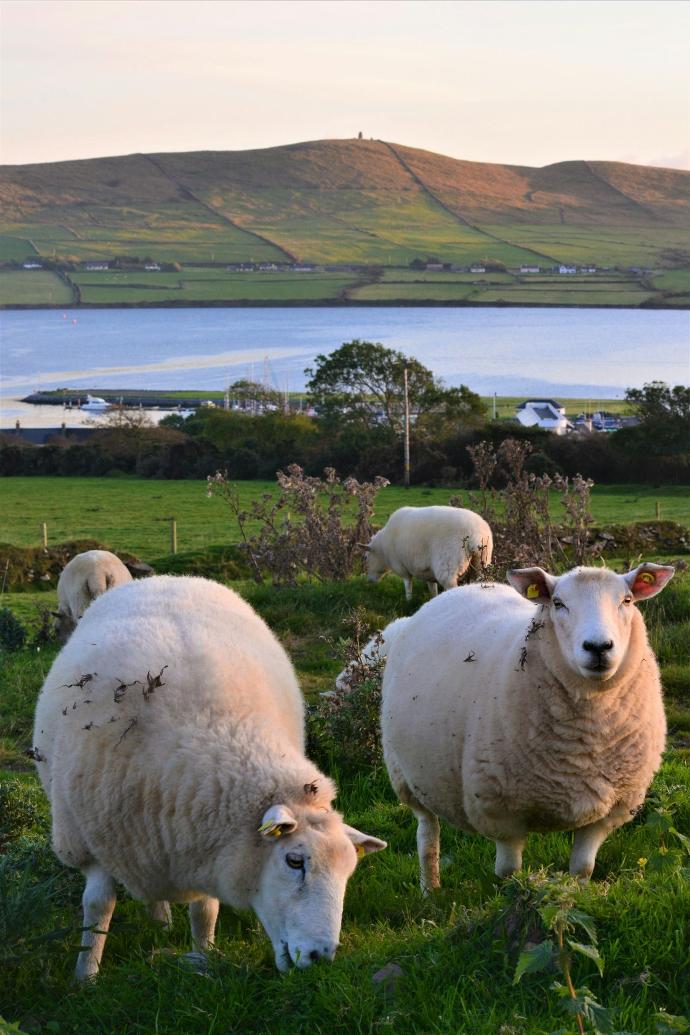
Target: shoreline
[(334, 303)]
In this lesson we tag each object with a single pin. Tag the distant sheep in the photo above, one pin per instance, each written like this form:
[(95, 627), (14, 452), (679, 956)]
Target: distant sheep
[(508, 712), (374, 651), (169, 738), (437, 544), (84, 578)]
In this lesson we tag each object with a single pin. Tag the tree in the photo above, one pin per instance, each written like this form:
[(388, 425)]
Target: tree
[(361, 383), (255, 397), (664, 415)]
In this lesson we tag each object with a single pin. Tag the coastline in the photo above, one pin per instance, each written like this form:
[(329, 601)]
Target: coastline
[(334, 303)]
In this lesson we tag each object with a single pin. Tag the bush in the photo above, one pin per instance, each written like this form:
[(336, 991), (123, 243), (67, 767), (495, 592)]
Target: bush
[(344, 731), (12, 632), (323, 543)]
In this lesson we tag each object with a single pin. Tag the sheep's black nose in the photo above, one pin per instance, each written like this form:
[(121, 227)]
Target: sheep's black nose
[(314, 955), (597, 648)]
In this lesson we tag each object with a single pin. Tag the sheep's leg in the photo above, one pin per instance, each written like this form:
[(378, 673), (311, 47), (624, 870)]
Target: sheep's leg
[(408, 587), (203, 913), (161, 913), (433, 588), (98, 902), (509, 856), (587, 842), (428, 847)]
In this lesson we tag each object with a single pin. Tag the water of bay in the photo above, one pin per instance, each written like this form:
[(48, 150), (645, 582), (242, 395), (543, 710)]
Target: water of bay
[(593, 353)]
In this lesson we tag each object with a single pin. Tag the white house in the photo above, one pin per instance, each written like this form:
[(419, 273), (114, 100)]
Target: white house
[(588, 269), (477, 269), (93, 266), (530, 269), (567, 269), (32, 265), (543, 413), (152, 267)]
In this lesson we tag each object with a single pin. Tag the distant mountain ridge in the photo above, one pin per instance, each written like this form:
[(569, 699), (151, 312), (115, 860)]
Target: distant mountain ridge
[(339, 201)]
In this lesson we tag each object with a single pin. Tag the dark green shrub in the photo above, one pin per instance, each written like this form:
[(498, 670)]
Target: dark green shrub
[(12, 632)]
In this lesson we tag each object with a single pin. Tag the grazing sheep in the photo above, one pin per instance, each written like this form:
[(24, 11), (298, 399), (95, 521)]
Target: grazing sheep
[(84, 578), (169, 738), (438, 544), (374, 651), (508, 712)]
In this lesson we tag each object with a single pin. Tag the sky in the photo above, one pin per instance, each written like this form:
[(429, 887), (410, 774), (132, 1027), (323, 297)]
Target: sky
[(520, 82)]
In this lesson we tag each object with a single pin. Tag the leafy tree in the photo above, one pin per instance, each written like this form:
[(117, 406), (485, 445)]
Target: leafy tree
[(361, 383), (664, 414), (251, 395)]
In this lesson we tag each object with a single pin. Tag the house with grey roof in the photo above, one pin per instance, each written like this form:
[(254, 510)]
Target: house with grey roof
[(543, 413)]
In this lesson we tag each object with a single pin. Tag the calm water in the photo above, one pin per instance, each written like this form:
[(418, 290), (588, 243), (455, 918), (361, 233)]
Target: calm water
[(586, 352)]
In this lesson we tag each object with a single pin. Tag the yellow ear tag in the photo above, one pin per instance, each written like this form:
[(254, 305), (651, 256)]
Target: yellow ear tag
[(532, 591), (646, 576), (361, 851), (270, 830)]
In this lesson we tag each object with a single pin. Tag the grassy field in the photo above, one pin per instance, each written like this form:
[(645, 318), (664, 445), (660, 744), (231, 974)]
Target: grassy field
[(456, 950), (33, 287), (134, 514), (198, 286), (211, 285)]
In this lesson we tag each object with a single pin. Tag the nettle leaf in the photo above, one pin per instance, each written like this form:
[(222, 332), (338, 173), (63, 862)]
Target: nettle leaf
[(590, 951), (598, 1016), (683, 838), (534, 960), (585, 921), (670, 1024)]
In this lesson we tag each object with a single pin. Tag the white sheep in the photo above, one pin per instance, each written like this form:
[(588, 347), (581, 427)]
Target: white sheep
[(374, 651), (437, 544), (169, 738), (84, 578), (503, 717)]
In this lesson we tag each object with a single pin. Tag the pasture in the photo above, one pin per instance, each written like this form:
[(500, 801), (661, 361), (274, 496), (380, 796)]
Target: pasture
[(134, 514), (33, 287), (456, 951)]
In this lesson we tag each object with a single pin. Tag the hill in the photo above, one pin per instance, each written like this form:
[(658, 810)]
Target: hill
[(344, 201)]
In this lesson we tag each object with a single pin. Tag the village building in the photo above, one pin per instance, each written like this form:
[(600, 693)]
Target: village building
[(477, 269), (567, 269), (530, 269), (32, 265), (543, 413), (94, 267)]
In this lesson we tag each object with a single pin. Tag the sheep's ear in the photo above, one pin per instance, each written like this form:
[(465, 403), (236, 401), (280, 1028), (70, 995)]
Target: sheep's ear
[(648, 579), (277, 820), (363, 546), (533, 583), (364, 843)]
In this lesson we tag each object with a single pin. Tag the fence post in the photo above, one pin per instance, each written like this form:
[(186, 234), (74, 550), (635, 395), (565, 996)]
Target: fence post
[(658, 511), (44, 533), (173, 535)]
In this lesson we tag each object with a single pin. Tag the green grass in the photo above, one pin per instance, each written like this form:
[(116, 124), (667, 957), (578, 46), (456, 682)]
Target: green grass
[(131, 513), (211, 285), (457, 949), (29, 287), (603, 245), (15, 249)]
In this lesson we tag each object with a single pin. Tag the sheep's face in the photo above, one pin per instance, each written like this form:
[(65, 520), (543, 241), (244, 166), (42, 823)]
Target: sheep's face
[(591, 611), (376, 566), (64, 626), (302, 885)]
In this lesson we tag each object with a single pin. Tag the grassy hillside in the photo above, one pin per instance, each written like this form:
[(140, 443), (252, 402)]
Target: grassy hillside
[(344, 201)]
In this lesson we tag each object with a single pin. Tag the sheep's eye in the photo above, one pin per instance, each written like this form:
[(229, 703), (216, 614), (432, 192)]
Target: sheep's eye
[(627, 600), (295, 862), (558, 604)]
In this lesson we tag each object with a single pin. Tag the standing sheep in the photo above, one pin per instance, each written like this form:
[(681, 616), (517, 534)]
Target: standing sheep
[(508, 712), (437, 544), (84, 578), (169, 738)]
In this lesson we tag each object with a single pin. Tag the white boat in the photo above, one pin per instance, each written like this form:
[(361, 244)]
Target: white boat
[(95, 404)]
